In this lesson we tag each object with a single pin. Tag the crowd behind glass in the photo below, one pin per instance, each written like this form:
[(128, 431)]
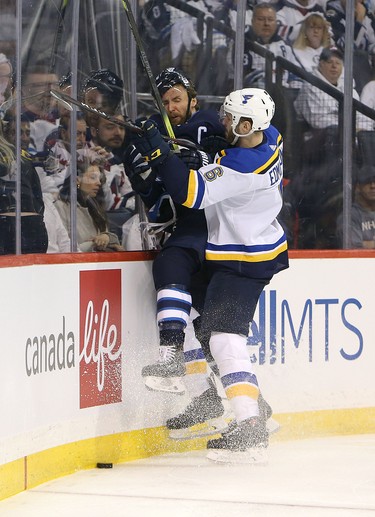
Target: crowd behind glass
[(199, 38)]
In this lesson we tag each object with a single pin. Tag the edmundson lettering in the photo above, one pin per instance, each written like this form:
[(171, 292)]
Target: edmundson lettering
[(276, 173), (47, 354)]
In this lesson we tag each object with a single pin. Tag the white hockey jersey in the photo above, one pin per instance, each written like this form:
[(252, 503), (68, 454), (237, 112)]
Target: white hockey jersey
[(241, 194)]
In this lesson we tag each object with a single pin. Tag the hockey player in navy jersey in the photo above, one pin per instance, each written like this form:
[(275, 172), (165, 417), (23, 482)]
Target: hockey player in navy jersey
[(241, 196), (178, 268)]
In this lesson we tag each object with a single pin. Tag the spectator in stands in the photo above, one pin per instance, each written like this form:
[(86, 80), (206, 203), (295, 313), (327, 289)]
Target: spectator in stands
[(173, 38), (232, 7), (102, 89), (117, 193), (92, 226), (366, 139), (292, 14), (64, 127), (58, 237), (264, 31), (312, 38), (155, 27), (6, 70), (364, 35), (318, 188), (57, 159), (108, 134), (219, 59), (33, 231), (318, 108), (26, 142), (38, 105), (184, 39), (362, 225), (8, 29), (65, 86), (368, 98)]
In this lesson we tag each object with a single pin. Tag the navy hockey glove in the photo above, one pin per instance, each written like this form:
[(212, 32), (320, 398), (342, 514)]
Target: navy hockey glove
[(194, 159), (213, 144), (151, 144), (139, 172)]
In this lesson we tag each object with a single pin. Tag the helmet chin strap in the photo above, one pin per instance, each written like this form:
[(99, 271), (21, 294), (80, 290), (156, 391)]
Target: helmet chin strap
[(237, 135)]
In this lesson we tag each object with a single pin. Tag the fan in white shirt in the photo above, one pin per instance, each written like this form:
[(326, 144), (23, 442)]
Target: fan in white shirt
[(314, 35)]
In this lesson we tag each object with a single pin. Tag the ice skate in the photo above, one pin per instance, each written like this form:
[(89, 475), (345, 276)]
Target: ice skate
[(166, 374), (243, 442), (265, 411), (265, 414), (202, 417)]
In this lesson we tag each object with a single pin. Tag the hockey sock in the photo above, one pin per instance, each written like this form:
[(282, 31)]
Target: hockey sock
[(196, 378), (172, 337), (173, 310), (239, 381)]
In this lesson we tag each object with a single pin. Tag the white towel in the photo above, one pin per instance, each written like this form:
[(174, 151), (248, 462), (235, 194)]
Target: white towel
[(183, 34)]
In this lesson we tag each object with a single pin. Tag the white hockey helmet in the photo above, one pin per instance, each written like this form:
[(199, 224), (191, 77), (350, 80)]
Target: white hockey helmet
[(253, 103)]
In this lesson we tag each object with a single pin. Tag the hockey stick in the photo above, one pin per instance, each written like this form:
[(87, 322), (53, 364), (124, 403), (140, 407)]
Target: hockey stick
[(147, 68), (58, 35), (7, 105), (67, 101)]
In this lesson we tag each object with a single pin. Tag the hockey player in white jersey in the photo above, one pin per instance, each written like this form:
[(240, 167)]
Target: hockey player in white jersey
[(246, 246)]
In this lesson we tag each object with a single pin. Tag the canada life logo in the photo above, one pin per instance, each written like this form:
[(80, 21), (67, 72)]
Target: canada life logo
[(100, 338)]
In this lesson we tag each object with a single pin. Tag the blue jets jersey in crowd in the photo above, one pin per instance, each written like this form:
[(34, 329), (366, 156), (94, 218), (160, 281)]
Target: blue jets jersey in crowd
[(200, 125), (241, 194)]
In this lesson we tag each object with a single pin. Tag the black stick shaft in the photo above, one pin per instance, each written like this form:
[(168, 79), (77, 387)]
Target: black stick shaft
[(58, 35), (68, 101)]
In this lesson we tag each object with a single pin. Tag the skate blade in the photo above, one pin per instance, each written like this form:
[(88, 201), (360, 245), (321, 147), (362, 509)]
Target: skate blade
[(272, 426), (253, 456), (208, 428), (168, 384)]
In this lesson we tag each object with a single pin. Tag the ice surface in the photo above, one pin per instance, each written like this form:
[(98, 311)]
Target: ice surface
[(325, 477)]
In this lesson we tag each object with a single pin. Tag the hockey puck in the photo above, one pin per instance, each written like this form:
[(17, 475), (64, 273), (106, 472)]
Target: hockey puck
[(104, 465)]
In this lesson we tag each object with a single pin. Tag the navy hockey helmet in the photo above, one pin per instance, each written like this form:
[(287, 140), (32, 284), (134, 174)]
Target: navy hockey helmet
[(169, 77), (106, 82)]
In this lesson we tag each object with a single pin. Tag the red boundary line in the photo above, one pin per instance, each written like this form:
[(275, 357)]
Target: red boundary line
[(318, 254), (74, 258), (130, 256)]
